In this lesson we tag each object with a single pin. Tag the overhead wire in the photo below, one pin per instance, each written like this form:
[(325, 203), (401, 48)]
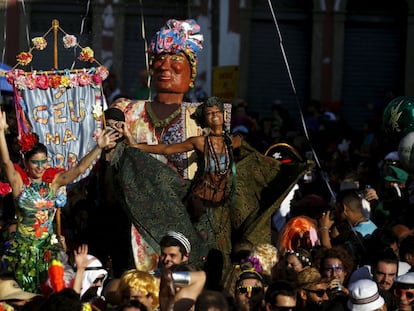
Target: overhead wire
[(82, 27), (3, 53), (292, 84), (144, 38), (324, 175)]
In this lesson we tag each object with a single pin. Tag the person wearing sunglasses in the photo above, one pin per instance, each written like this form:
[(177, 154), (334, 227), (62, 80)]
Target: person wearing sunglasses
[(280, 296), (249, 294), (336, 265), (404, 291), (312, 290)]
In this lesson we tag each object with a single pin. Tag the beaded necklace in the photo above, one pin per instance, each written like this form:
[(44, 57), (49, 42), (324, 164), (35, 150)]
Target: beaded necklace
[(217, 169), (157, 123)]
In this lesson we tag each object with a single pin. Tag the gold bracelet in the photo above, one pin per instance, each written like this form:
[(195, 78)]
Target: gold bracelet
[(323, 228)]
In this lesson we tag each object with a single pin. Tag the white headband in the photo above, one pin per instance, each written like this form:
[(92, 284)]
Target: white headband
[(182, 239)]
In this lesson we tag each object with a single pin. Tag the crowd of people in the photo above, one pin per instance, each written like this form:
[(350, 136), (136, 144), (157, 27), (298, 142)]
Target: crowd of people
[(242, 231)]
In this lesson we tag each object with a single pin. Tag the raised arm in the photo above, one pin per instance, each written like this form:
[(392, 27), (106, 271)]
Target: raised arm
[(81, 261), (12, 175), (192, 143), (64, 178), (196, 282)]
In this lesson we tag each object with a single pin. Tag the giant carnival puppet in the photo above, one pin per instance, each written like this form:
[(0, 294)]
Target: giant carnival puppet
[(59, 117), (154, 186)]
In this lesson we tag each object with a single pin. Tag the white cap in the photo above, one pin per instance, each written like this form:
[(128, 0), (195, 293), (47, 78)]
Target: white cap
[(182, 239)]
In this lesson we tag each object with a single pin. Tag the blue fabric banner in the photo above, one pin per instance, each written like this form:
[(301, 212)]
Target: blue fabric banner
[(64, 120)]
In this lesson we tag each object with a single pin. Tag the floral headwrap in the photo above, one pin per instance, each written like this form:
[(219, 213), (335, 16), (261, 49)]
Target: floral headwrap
[(179, 36)]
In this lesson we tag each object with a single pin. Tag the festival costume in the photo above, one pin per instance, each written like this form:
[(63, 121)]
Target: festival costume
[(143, 124), (145, 180), (152, 192), (35, 244), (210, 197)]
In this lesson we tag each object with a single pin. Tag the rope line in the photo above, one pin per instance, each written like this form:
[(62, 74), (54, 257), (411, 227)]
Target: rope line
[(144, 38), (81, 32), (3, 53), (302, 119)]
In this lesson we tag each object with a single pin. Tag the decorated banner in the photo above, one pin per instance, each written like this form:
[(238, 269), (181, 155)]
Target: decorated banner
[(63, 107), (64, 121), (64, 117)]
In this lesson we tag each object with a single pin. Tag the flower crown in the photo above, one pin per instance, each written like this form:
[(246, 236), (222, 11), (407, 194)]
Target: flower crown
[(27, 141)]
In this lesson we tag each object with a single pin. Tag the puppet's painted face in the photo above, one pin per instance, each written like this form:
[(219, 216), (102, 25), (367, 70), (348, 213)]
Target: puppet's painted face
[(171, 73)]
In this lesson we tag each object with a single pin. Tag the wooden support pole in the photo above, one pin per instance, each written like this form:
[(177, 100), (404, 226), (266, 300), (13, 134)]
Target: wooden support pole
[(55, 25)]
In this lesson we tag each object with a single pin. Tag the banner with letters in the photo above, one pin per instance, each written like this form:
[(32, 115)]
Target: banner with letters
[(63, 115), (63, 119)]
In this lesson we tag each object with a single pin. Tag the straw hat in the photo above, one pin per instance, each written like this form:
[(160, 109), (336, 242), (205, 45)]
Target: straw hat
[(9, 289)]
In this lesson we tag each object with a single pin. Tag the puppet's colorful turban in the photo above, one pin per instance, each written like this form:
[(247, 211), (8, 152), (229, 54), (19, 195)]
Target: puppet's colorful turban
[(179, 36)]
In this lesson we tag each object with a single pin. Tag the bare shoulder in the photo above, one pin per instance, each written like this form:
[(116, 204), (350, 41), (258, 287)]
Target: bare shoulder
[(198, 142), (236, 141)]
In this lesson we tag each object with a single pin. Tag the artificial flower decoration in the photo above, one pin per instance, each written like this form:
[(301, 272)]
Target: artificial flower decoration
[(42, 82), (86, 55), (39, 43), (97, 79), (24, 58), (55, 81), (69, 41), (102, 71), (64, 81), (27, 141), (74, 81), (84, 78), (5, 188), (31, 82), (97, 111), (93, 76), (255, 262), (13, 74)]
